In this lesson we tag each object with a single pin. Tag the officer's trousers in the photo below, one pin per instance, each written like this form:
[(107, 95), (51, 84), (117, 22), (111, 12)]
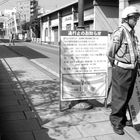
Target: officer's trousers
[(123, 81)]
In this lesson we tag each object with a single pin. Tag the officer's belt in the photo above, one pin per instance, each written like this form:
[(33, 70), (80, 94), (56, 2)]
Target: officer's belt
[(125, 65)]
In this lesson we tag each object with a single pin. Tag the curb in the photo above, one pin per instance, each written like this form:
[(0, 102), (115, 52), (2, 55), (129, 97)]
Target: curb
[(132, 133)]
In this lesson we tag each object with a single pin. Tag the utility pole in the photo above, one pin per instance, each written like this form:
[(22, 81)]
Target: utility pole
[(81, 104), (81, 14), (15, 21)]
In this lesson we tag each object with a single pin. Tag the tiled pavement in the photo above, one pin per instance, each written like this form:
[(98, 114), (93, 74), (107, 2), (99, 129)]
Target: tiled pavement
[(29, 108), (17, 121)]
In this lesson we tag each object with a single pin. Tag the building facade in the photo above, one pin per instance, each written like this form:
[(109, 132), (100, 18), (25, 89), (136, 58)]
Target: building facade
[(3, 26), (20, 15), (13, 21), (136, 3), (98, 15)]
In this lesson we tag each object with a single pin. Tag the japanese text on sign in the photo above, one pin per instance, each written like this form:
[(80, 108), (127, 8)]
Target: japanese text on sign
[(83, 53)]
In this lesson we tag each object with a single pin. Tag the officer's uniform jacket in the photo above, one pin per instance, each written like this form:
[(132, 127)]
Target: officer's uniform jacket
[(123, 47)]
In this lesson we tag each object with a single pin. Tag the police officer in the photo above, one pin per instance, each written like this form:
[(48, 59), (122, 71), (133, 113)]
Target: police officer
[(123, 56)]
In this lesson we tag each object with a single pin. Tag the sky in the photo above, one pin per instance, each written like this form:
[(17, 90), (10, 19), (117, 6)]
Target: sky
[(46, 4), (52, 4)]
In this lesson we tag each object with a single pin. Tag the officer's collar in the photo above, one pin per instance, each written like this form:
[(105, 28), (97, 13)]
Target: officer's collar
[(127, 27)]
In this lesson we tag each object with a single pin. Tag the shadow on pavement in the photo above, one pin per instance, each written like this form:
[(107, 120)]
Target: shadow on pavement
[(27, 52), (7, 41), (44, 96), (7, 53), (17, 119), (4, 40), (22, 50), (19, 51)]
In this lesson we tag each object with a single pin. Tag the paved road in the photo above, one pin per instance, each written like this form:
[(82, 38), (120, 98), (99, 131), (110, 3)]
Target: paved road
[(45, 57)]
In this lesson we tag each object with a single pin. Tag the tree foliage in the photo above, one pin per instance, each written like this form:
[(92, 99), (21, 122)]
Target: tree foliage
[(34, 23), (35, 26)]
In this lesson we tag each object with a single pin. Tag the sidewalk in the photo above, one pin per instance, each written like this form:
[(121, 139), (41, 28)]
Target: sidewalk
[(29, 107), (17, 118)]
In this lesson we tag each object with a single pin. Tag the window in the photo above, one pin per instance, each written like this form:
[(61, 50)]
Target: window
[(46, 32), (68, 27)]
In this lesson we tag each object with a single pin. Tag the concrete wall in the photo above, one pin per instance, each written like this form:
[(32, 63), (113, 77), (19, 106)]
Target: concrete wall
[(67, 20), (105, 15), (136, 3), (44, 27)]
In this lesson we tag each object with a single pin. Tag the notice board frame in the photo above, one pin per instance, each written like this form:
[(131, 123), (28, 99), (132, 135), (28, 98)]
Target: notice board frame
[(67, 50)]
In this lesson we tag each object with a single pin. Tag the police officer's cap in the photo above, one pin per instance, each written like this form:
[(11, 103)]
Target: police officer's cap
[(130, 11)]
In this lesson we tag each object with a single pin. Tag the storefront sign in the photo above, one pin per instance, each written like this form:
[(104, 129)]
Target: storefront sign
[(83, 64), (67, 21), (54, 22)]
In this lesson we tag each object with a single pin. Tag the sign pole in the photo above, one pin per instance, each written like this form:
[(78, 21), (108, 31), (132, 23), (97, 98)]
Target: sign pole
[(82, 104), (81, 14)]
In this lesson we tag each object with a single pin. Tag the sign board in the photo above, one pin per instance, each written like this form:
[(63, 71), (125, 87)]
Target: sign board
[(83, 65), (134, 103)]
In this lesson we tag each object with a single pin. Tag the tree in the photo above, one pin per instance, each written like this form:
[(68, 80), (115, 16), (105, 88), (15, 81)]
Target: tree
[(34, 23), (35, 26)]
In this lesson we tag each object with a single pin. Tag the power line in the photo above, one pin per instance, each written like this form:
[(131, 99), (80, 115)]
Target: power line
[(3, 2)]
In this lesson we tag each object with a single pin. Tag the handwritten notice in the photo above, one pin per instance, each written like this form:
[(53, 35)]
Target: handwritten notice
[(83, 64)]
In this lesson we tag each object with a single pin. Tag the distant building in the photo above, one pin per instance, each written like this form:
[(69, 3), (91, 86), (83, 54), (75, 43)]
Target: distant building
[(34, 9), (3, 25), (13, 21), (23, 9), (22, 13), (8, 12)]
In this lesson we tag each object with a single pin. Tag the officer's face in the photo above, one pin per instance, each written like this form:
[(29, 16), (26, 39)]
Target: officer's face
[(132, 20)]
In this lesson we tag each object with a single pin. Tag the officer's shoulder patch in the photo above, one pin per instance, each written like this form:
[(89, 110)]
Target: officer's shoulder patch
[(117, 35), (116, 38)]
